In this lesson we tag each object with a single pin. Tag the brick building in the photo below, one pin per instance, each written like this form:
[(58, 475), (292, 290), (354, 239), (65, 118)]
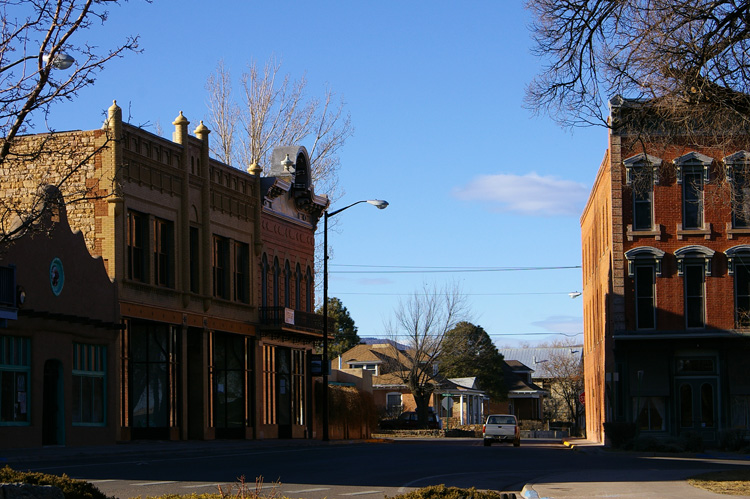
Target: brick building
[(666, 275), (214, 269)]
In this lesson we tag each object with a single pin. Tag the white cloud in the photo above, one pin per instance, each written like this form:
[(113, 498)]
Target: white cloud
[(561, 324), (530, 194)]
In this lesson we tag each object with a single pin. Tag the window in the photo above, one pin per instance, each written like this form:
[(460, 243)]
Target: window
[(297, 288), (264, 281), (695, 316), (645, 297), (195, 286), (15, 370), (137, 240), (287, 284), (694, 264), (308, 291), (686, 406), (276, 274), (393, 402), (164, 253), (89, 384), (738, 174), (692, 173), (651, 414), (298, 387), (738, 260), (231, 368), (644, 266), (642, 173), (221, 267), (242, 272)]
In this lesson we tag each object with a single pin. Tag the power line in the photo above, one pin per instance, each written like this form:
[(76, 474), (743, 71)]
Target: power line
[(439, 270), (464, 294)]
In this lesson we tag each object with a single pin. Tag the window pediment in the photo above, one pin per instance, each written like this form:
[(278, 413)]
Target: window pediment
[(693, 159), (741, 251), (644, 254), (694, 252), (641, 161)]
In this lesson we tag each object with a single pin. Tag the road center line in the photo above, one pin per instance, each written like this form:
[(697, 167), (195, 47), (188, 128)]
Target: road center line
[(146, 484), (306, 490), (364, 492)]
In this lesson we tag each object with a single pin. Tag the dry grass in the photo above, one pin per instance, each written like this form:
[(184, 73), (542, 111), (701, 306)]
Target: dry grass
[(732, 482)]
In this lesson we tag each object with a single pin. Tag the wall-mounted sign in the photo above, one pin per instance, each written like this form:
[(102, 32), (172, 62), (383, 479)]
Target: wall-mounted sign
[(56, 276)]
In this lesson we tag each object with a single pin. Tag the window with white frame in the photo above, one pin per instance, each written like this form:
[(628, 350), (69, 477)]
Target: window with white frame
[(693, 173), (651, 414), (738, 264), (694, 264), (644, 266), (393, 401), (642, 173), (738, 176)]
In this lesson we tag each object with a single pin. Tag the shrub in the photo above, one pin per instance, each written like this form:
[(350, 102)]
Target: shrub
[(620, 433), (733, 440), (692, 442), (443, 492), (71, 488)]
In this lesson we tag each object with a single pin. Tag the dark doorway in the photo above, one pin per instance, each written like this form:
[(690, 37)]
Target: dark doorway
[(53, 415), (284, 392)]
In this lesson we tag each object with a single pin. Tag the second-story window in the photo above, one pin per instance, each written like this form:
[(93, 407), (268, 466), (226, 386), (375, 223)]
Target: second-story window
[(195, 273), (297, 287), (287, 284), (241, 272), (221, 267), (642, 174), (738, 260), (163, 253), (695, 297), (694, 263), (137, 246), (264, 281), (276, 275), (644, 266)]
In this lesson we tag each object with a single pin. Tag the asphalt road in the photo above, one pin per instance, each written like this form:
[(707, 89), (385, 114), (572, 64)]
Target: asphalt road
[(369, 470)]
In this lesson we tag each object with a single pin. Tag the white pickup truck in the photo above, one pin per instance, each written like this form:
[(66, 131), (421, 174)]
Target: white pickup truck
[(501, 428)]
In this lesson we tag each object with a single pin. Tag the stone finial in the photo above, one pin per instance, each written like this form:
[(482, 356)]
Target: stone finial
[(255, 169), (114, 115), (201, 131), (180, 129)]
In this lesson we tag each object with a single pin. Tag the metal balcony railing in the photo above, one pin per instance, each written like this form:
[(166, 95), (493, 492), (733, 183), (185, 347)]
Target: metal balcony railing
[(290, 318)]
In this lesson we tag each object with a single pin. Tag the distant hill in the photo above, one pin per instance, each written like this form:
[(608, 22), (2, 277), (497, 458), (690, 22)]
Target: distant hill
[(376, 341)]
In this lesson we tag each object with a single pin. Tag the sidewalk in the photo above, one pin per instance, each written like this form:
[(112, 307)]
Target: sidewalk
[(622, 484)]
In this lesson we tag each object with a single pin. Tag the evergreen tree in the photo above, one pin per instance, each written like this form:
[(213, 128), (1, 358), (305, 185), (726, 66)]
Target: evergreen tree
[(468, 351), (345, 332)]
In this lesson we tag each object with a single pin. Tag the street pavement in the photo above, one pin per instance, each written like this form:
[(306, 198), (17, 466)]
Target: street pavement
[(623, 484), (579, 484)]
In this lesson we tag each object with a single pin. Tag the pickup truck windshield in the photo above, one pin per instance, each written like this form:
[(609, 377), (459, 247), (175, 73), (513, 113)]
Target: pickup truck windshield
[(501, 420)]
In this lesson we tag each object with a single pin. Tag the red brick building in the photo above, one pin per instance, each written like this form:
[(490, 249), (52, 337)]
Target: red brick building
[(666, 271)]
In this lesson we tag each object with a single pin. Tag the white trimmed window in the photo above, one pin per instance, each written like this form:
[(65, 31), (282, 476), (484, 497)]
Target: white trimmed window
[(644, 266), (738, 175), (642, 173), (694, 264), (738, 260), (693, 173)]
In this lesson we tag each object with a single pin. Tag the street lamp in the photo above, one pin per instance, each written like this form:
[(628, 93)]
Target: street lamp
[(379, 204), (59, 61)]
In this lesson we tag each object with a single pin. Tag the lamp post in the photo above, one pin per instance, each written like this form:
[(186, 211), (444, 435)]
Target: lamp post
[(379, 204), (59, 61)]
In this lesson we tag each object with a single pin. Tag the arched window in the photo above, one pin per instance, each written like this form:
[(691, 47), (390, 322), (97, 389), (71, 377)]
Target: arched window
[(309, 291), (276, 274), (297, 287), (287, 284), (264, 281)]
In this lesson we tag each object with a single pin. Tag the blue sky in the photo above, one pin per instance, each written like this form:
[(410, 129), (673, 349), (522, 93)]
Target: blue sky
[(435, 92)]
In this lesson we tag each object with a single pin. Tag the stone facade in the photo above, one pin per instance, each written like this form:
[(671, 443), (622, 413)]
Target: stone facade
[(214, 270)]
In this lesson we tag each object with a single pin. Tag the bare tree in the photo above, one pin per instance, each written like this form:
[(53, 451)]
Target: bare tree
[(275, 110), (564, 366), (685, 55), (421, 323), (41, 63)]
